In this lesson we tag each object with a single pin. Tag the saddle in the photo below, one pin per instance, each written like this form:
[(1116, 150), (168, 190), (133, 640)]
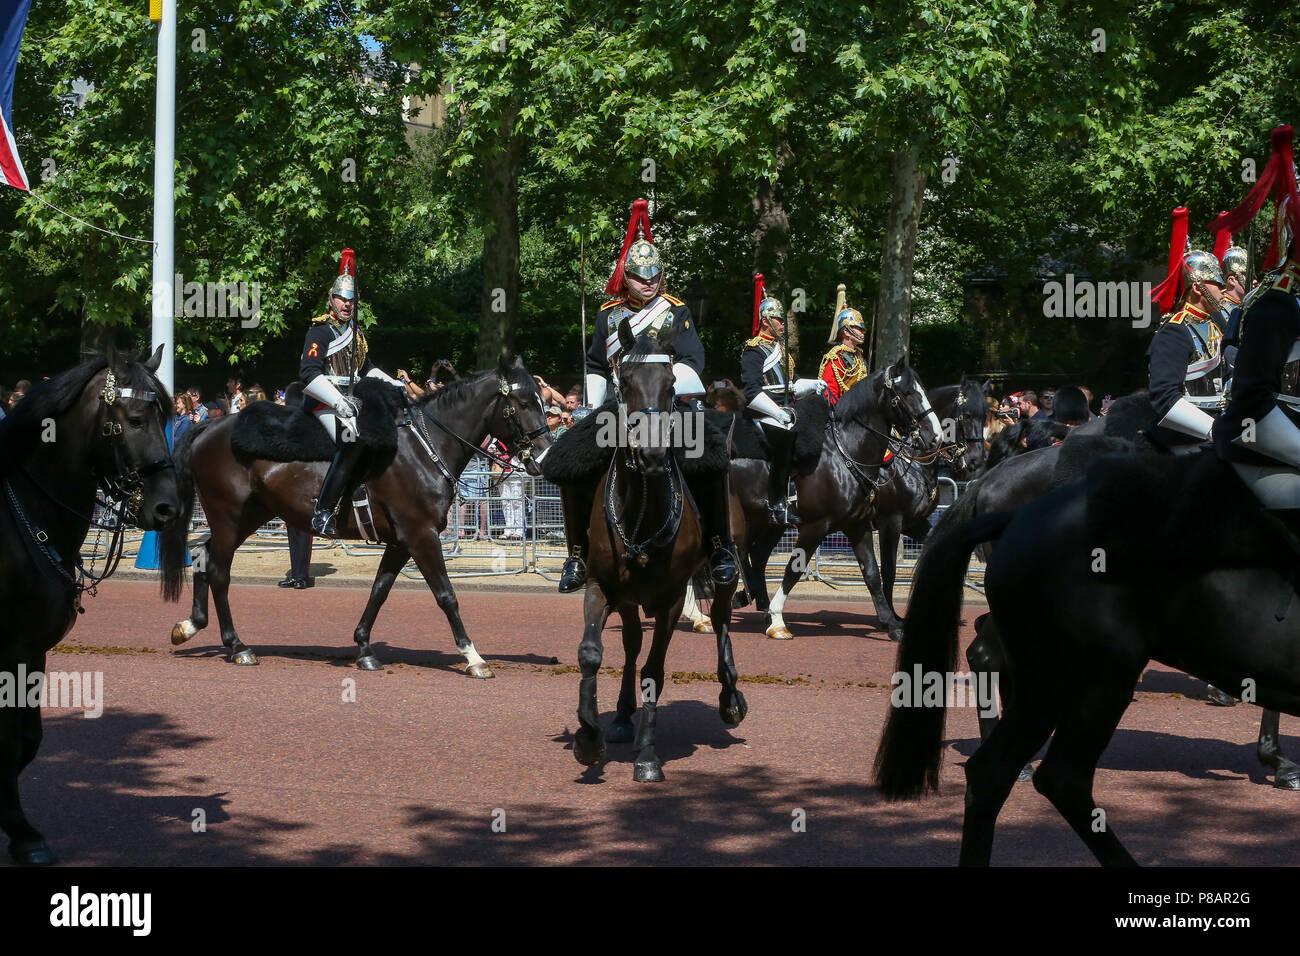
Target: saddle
[(812, 413), (270, 432)]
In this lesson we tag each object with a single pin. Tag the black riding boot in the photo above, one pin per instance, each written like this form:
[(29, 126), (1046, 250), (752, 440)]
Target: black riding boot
[(715, 512), (338, 481), (781, 442), (577, 503)]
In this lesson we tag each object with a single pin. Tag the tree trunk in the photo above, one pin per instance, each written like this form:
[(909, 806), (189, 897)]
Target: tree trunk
[(499, 310), (894, 299), (770, 236)]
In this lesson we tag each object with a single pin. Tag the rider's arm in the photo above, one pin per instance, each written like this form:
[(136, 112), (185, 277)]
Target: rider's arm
[(313, 353), (832, 392), (751, 373), (1170, 352), (686, 340)]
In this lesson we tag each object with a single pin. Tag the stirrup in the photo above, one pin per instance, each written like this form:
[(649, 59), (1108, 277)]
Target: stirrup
[(722, 566), (573, 576), (783, 514), (324, 523)]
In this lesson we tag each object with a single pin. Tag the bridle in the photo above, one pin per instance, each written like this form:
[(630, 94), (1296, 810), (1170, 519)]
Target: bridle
[(637, 553), (970, 431), (123, 495)]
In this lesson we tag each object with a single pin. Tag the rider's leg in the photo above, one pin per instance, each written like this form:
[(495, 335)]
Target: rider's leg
[(715, 516), (339, 479), (781, 442), (577, 502)]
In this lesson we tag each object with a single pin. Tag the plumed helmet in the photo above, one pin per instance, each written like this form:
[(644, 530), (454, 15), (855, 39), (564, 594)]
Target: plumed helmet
[(643, 261), (845, 317), (345, 286), (1234, 264), (771, 308), (1201, 266)]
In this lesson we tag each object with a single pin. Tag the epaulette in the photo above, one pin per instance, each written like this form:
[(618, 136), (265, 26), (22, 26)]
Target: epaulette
[(756, 340), (321, 318), (1174, 319), (610, 304), (1288, 279), (672, 300)]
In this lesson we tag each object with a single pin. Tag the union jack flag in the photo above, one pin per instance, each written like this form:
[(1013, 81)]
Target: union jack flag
[(13, 18)]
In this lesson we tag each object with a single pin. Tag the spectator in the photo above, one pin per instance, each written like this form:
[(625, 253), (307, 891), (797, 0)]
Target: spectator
[(413, 390), (15, 397), (184, 417), (1047, 400), (235, 388), (1027, 402), (473, 494), (573, 399), (1087, 394), (724, 396), (256, 393), (279, 396), (550, 396), (1071, 406), (214, 410), (566, 418), (555, 421)]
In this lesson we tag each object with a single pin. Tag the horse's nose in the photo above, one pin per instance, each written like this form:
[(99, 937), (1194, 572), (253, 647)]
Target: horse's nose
[(165, 512)]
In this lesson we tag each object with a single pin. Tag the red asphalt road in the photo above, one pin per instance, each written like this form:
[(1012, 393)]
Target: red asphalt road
[(425, 761)]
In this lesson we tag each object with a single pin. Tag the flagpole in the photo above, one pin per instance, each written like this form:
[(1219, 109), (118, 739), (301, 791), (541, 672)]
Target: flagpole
[(164, 198), (164, 190)]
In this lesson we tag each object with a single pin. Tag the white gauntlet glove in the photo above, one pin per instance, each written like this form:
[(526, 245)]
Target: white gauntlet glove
[(763, 404), (597, 386), (380, 373), (325, 392), (806, 386)]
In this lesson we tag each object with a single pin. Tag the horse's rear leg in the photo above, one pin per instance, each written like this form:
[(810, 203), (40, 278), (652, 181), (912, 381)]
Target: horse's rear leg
[(763, 537), (589, 742), (648, 768), (1066, 774), (427, 552), (19, 739), (866, 555), (620, 731), (731, 702), (891, 531), (988, 663), (991, 773), (198, 619), (1286, 775), (394, 558), (795, 568)]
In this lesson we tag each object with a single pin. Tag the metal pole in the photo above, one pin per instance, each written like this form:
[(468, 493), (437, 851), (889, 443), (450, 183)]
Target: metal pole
[(582, 285), (164, 187)]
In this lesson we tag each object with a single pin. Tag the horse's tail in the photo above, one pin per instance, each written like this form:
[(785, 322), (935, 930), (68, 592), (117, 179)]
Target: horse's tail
[(173, 539), (907, 763)]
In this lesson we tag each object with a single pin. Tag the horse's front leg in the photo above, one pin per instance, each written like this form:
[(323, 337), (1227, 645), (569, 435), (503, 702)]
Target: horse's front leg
[(220, 555), (394, 558), (810, 537), (589, 742), (19, 739), (863, 550), (182, 631), (427, 552), (731, 702), (648, 768), (1286, 775), (620, 731)]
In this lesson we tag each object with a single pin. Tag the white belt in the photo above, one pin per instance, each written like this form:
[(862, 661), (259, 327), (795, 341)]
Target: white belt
[(342, 379)]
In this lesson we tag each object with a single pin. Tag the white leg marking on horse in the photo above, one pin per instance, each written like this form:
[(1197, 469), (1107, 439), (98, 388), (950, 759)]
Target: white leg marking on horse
[(471, 656), (775, 606), (188, 628)]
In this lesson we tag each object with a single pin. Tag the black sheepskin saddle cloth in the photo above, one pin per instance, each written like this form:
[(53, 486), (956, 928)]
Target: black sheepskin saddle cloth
[(270, 432), (812, 413), (582, 455)]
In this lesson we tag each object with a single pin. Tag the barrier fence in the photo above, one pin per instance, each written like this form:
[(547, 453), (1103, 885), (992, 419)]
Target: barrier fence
[(516, 526)]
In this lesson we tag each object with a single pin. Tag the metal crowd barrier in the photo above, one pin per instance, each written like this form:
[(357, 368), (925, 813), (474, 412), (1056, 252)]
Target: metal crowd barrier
[(516, 526)]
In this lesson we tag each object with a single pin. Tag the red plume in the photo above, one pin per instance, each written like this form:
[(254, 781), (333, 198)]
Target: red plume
[(640, 218), (759, 291), (1278, 180), (1166, 293), (348, 264), (1222, 242)]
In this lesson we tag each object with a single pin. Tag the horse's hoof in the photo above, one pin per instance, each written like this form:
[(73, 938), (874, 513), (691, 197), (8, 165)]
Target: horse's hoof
[(481, 671), (735, 712), (588, 747), (369, 663), (1287, 780), (896, 636), (32, 853), (781, 633), (648, 771), (620, 732), (1026, 773), (1219, 698), (245, 658), (703, 626), (182, 632)]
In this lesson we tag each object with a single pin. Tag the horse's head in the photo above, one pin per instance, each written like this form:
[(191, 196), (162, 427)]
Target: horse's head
[(970, 424), (519, 417), (128, 442), (645, 389), (905, 406)]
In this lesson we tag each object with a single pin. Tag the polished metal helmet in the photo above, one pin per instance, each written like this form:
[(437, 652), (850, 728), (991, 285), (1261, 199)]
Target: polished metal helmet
[(846, 318), (1201, 266), (771, 308), (345, 286), (643, 261), (1234, 264)]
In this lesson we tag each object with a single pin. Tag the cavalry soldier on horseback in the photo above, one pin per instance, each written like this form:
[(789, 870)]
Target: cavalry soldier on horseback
[(1256, 434), (335, 356), (1186, 355), (1237, 283), (768, 379), (638, 289), (844, 365)]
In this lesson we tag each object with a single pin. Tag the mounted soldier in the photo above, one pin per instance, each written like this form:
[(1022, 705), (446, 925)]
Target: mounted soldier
[(1235, 261), (1185, 357), (768, 379), (335, 356), (844, 365), (637, 285), (1258, 433)]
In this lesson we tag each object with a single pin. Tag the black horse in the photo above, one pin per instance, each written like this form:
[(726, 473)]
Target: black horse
[(1016, 481), (98, 426), (851, 488), (645, 545), (410, 498), (1107, 599), (965, 417)]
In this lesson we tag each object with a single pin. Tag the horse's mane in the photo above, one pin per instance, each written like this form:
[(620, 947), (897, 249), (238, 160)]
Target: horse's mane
[(861, 400), (461, 388)]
